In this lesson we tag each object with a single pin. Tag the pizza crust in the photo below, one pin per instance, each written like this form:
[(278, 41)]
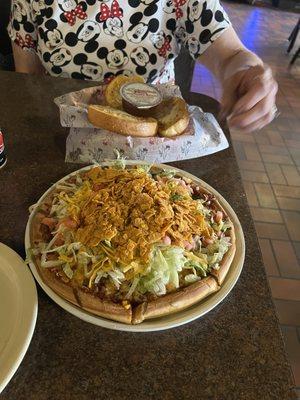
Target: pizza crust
[(220, 274), (225, 263), (174, 302)]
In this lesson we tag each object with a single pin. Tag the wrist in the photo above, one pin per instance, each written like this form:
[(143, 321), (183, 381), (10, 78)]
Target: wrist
[(241, 61)]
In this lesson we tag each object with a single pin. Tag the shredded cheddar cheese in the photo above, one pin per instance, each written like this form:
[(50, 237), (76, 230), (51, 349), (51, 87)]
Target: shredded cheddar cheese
[(132, 211)]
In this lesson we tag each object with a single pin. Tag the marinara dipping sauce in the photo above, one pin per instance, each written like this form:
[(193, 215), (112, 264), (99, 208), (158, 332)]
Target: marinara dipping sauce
[(140, 99)]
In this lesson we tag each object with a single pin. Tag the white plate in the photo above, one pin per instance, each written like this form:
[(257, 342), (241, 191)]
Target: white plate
[(18, 310), (173, 320)]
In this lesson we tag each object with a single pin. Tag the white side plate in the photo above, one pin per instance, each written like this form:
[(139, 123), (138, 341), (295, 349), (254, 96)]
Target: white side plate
[(173, 320), (18, 311)]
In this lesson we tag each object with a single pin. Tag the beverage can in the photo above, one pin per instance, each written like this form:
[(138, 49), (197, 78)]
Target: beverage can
[(3, 158)]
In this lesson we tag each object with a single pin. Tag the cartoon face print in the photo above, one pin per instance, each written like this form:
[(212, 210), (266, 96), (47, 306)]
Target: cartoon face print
[(180, 34), (141, 58), (72, 11), (138, 29), (150, 6), (53, 39), (67, 5), (158, 39), (137, 33), (91, 71), (111, 18), (161, 41), (169, 7), (37, 6), (194, 10), (193, 46), (125, 72), (114, 27), (20, 10), (60, 57), (88, 31), (116, 58)]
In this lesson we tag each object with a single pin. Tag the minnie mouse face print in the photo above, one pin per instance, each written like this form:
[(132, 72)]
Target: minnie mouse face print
[(193, 46), (111, 18), (180, 34), (113, 27), (161, 42), (72, 11)]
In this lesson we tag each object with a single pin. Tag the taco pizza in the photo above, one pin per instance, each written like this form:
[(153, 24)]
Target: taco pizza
[(130, 243)]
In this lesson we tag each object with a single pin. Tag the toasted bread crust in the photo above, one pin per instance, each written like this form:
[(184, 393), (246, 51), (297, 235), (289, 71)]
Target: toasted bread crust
[(173, 117), (112, 91), (121, 122)]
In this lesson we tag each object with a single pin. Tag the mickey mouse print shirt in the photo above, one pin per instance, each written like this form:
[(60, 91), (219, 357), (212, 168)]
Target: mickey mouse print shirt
[(98, 39)]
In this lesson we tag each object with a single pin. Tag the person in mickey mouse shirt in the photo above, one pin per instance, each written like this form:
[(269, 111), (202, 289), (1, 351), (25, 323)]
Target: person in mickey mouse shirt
[(99, 39)]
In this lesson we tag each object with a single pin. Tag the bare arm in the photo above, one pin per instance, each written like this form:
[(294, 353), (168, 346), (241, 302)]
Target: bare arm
[(249, 89), (26, 61), (227, 54)]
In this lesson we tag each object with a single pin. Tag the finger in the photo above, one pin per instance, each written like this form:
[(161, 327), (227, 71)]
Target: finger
[(228, 101), (257, 92), (229, 95), (258, 124), (260, 109)]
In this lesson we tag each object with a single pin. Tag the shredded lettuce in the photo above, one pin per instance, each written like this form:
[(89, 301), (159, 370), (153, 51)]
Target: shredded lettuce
[(133, 287), (68, 270), (191, 278), (164, 266), (169, 173), (116, 276), (216, 251), (50, 264), (120, 162), (144, 168)]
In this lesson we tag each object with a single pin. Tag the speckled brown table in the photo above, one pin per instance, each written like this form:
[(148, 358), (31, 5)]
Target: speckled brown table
[(234, 352)]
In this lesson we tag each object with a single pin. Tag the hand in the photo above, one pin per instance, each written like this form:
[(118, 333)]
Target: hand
[(248, 99)]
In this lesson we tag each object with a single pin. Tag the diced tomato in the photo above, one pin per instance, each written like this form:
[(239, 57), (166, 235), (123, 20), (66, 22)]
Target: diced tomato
[(167, 240), (206, 241), (50, 222), (97, 186), (189, 246), (218, 216), (59, 241), (69, 223)]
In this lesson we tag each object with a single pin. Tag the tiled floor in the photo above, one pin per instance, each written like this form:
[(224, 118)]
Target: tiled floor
[(270, 164)]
